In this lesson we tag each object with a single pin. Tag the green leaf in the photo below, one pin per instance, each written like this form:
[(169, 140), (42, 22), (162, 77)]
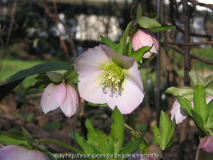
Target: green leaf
[(27, 136), (98, 140), (210, 105), (125, 38), (153, 16), (40, 84), (182, 91), (131, 146), (146, 22), (208, 80), (119, 46), (71, 75), (55, 77), (133, 29), (5, 139), (209, 123), (194, 77), (189, 97), (17, 78), (157, 136), (138, 55), (172, 143), (164, 27), (117, 130), (199, 122), (15, 134), (129, 48), (200, 106), (84, 145), (139, 11), (166, 131), (52, 126), (92, 104), (30, 117), (186, 104), (163, 138), (209, 91), (108, 42), (146, 61)]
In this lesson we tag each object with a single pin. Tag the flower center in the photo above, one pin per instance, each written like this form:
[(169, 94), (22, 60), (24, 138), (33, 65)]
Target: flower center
[(111, 79)]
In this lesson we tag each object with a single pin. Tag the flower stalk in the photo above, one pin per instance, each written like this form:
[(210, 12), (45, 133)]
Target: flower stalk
[(62, 144)]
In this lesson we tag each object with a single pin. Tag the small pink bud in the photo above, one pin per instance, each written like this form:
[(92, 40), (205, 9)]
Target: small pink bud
[(207, 144), (145, 38)]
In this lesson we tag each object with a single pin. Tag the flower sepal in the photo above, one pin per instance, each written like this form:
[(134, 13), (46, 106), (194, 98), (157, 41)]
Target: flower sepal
[(55, 77), (71, 76)]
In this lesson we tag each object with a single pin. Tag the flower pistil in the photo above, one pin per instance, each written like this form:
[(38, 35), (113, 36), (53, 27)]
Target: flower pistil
[(111, 79)]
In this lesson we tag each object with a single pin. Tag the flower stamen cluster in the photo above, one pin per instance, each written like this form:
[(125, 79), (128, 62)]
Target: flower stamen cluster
[(111, 79)]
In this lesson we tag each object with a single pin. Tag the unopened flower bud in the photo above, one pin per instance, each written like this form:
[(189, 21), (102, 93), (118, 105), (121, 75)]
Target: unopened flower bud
[(145, 38)]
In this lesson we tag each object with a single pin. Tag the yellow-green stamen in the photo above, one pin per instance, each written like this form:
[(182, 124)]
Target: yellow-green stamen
[(111, 79)]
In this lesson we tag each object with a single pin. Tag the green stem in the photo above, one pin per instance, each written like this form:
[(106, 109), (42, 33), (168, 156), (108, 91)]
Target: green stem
[(61, 144), (131, 121)]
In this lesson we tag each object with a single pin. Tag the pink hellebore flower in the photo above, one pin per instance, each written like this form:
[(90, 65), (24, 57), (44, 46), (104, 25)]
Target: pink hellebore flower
[(145, 38), (179, 114), (109, 77), (205, 149), (207, 144), (63, 96), (13, 152)]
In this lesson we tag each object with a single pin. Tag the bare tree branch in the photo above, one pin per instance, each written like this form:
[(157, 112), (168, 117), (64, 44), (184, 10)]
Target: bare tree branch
[(195, 3), (60, 36), (190, 44), (180, 29), (53, 16)]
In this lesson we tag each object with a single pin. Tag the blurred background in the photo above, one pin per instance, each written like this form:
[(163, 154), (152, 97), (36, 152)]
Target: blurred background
[(36, 31)]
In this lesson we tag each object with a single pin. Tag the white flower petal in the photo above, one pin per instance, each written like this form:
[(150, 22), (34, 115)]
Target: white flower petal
[(13, 152), (70, 104), (133, 75), (122, 61), (52, 97), (179, 114), (91, 62), (91, 91), (131, 97)]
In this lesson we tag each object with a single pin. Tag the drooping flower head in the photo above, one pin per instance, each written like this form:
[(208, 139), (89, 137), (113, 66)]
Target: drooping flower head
[(60, 95), (109, 77), (205, 149), (13, 152), (144, 37), (179, 114)]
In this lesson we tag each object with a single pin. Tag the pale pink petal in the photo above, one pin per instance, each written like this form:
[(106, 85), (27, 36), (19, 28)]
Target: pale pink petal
[(208, 99), (52, 97), (145, 38), (91, 62), (13, 152), (207, 144), (91, 91), (70, 104), (131, 97), (179, 114), (122, 61), (133, 75)]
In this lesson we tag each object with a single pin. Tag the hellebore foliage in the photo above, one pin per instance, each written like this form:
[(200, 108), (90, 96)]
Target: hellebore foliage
[(163, 135), (99, 143)]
